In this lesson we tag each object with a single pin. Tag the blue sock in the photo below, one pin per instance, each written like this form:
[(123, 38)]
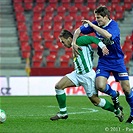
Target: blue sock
[(129, 99), (108, 90)]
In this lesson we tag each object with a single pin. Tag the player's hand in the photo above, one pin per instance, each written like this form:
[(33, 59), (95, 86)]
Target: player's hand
[(75, 49), (87, 21), (105, 50)]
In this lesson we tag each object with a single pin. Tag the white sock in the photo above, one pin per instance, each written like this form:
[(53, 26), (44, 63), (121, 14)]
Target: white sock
[(59, 92), (102, 102)]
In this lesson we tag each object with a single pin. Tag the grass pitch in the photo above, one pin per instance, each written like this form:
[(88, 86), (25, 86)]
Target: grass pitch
[(32, 115)]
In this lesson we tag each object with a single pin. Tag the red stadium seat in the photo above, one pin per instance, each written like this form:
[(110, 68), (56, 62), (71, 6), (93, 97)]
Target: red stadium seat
[(68, 27), (103, 2), (91, 18), (57, 27), (78, 19), (119, 9), (54, 49), (28, 1), (56, 34), (40, 1), (129, 38), (127, 6), (119, 16), (73, 10), (57, 20), (21, 26), (47, 28), (48, 20), (127, 57), (25, 54), (28, 6), (78, 3), (36, 36), (56, 30), (53, 3), (39, 7), (68, 51), (92, 1), (37, 57), (50, 60), (92, 6), (23, 36), (36, 64), (37, 60), (48, 44), (84, 10), (61, 11), (25, 49), (38, 46), (127, 46), (18, 7), (49, 10), (115, 1), (37, 16), (25, 46), (36, 26), (64, 60), (66, 3), (17, 1), (48, 37), (20, 16), (68, 20)]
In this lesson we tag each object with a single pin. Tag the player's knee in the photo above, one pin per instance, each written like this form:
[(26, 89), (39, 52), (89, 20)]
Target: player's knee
[(57, 86), (126, 88), (100, 87), (94, 100), (95, 103)]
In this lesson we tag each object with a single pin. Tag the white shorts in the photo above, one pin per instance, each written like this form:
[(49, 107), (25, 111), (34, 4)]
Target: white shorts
[(86, 80)]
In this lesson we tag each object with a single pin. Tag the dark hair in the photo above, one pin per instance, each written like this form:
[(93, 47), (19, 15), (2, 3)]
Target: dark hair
[(103, 11), (66, 34)]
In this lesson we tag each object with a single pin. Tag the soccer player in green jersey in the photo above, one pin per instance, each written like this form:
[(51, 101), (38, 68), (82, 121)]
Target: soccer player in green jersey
[(83, 75)]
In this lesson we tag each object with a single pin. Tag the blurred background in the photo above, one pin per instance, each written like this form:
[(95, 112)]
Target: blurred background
[(29, 32)]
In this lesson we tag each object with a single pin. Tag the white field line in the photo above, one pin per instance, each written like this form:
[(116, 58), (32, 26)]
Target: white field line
[(84, 111)]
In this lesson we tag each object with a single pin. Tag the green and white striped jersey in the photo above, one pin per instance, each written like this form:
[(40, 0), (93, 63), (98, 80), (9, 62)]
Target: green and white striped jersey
[(83, 63)]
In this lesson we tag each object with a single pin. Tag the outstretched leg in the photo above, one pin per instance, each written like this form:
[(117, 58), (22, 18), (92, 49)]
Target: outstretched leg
[(106, 105)]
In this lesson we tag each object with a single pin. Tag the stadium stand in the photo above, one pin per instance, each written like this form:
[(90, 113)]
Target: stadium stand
[(38, 23)]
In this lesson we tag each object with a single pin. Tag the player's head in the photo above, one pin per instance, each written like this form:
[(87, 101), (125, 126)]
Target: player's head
[(102, 15), (66, 38)]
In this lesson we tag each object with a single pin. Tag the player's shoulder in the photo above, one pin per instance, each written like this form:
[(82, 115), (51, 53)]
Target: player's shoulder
[(113, 22)]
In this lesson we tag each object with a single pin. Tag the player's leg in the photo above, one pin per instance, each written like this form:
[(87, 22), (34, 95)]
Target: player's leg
[(65, 82), (106, 105), (102, 75), (122, 76), (88, 82), (101, 85), (129, 98)]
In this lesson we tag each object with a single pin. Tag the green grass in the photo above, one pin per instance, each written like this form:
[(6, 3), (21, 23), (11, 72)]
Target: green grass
[(31, 115)]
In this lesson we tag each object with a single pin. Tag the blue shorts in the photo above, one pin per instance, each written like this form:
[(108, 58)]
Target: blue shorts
[(117, 69)]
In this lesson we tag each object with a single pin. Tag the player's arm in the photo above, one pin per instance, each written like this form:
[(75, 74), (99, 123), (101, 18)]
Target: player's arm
[(86, 29), (86, 40), (75, 47), (101, 31)]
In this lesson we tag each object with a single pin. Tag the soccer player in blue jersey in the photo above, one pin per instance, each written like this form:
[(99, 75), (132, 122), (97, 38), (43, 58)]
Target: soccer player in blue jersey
[(108, 31)]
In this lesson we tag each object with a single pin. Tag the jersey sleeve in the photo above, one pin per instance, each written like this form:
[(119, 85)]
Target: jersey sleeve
[(87, 40), (114, 30), (86, 29)]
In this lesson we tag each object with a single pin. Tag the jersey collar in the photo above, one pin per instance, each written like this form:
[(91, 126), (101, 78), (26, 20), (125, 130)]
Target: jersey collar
[(107, 23)]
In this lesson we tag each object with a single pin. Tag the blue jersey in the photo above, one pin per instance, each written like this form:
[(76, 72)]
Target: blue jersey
[(115, 51), (114, 62)]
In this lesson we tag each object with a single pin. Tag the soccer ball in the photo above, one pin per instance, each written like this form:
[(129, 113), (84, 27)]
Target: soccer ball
[(2, 116)]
